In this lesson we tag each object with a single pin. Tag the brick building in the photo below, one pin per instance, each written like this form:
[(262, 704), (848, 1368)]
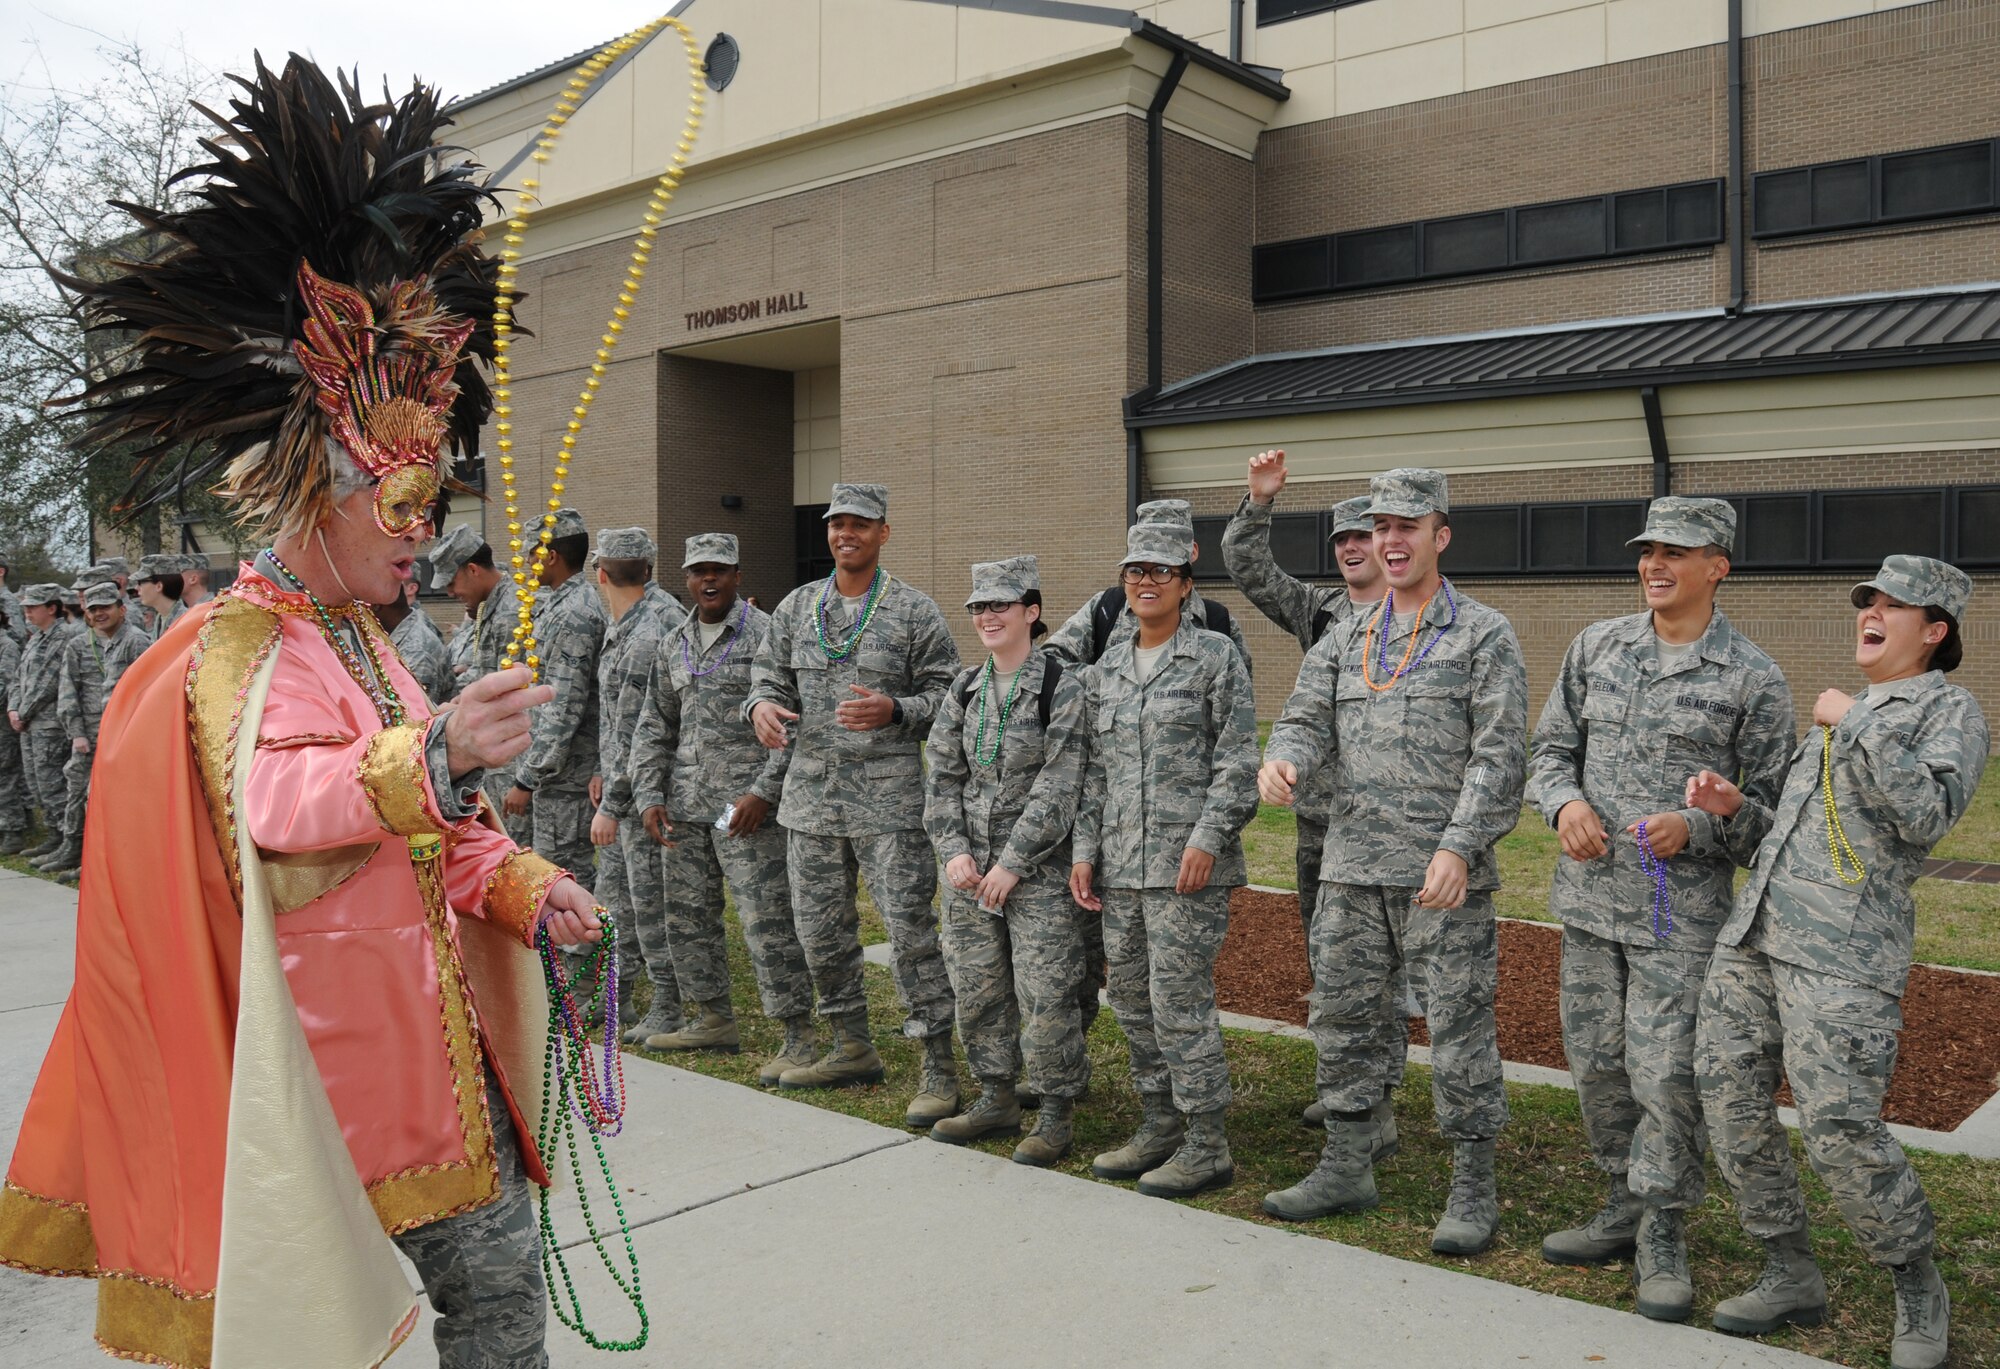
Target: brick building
[(1028, 262)]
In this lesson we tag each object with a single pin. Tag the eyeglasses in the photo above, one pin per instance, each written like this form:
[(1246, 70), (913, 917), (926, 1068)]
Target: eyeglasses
[(1159, 575), (994, 606)]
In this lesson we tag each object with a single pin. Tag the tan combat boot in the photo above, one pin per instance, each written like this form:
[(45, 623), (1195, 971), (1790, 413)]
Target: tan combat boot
[(1609, 1235), (1159, 1135), (1790, 1291), (1923, 1316), (938, 1099), (996, 1113), (851, 1062), (1344, 1178), (1666, 1285), (1387, 1140), (1202, 1162), (1050, 1141), (797, 1053), (714, 1030), (1472, 1213)]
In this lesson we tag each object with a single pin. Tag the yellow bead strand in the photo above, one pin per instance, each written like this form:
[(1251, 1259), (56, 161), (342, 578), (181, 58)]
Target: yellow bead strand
[(526, 567), (1837, 847)]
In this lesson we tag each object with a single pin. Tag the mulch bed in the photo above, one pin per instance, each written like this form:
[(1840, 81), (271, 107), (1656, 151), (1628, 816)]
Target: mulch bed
[(1945, 1069)]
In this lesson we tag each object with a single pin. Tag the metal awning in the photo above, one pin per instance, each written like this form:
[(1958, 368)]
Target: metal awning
[(1866, 333)]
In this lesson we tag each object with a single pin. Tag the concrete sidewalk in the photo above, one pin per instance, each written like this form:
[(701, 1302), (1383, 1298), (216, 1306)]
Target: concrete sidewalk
[(772, 1233)]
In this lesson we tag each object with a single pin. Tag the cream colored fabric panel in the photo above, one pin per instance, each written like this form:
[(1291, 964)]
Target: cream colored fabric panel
[(1888, 411), (307, 1278), (1502, 434)]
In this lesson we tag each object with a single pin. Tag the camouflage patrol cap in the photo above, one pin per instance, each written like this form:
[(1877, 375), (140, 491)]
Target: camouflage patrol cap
[(1351, 515), (1160, 544), (114, 565), (34, 596), (716, 548), (102, 593), (71, 598), (194, 561), (863, 501), (1678, 521), (626, 544), (1409, 492), (568, 523), (1175, 512), (1003, 582), (1920, 582), (155, 564), (96, 575), (449, 553)]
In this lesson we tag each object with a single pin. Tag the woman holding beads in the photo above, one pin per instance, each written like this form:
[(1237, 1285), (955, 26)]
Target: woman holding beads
[(1169, 785), (1808, 974), (1006, 770)]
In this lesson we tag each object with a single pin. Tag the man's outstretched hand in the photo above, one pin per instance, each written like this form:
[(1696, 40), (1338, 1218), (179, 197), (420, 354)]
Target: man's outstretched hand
[(488, 724), (570, 915)]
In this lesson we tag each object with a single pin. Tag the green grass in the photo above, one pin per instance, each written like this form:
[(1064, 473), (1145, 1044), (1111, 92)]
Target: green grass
[(1547, 1181)]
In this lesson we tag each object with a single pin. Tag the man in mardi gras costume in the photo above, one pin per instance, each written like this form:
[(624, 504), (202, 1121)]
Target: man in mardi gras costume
[(306, 1016)]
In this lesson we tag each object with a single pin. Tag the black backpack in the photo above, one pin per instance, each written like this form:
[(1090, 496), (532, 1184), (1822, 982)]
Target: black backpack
[(1052, 668), (1107, 606)]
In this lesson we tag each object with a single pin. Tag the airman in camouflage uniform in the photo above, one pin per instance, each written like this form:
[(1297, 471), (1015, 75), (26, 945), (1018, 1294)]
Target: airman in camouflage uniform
[(14, 793), (1631, 717), (463, 565), (1808, 976), (422, 649), (1309, 612), (10, 605), (628, 874), (1000, 799), (92, 665), (1428, 757), (861, 680), (695, 761), (552, 778), (32, 713), (162, 604), (1168, 788)]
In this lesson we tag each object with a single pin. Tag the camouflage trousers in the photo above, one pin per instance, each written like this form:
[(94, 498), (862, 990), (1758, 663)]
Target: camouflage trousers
[(901, 879), (482, 1270), (1015, 979), (1312, 846), (1761, 1020), (1628, 1015), (612, 889), (1362, 935), (44, 751), (14, 792), (638, 865), (76, 792), (694, 869), (1400, 1006), (1160, 949), (561, 820)]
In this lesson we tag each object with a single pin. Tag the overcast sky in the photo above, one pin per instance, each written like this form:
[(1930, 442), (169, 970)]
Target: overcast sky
[(458, 46)]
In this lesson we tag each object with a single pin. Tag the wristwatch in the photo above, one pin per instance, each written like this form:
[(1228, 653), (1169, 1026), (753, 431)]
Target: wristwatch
[(895, 710)]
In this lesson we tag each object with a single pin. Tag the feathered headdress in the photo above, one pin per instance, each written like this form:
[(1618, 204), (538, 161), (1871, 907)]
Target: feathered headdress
[(327, 288)]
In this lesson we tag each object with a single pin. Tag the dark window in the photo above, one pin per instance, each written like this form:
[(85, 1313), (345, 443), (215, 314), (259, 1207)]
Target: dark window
[(1927, 183), (1559, 232), (1611, 527), (1292, 268), (1457, 247), (1485, 541), (1277, 11), (1979, 526), (1296, 543), (1773, 530), (1860, 527), (1657, 219), (1558, 537), (815, 561), (1208, 536), (1938, 182), (1376, 257)]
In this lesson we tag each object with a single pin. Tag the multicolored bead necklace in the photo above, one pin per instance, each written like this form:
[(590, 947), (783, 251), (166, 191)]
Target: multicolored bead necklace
[(1656, 870), (687, 654), (372, 678), (1838, 850), (575, 1093), (846, 648), (1378, 633), (979, 751)]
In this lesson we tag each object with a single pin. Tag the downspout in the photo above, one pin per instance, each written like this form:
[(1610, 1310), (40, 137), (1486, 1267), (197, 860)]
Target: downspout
[(1156, 255), (1235, 30), (1738, 248), (1135, 458)]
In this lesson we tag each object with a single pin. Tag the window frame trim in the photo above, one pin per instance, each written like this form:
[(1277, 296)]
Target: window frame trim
[(1878, 215)]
